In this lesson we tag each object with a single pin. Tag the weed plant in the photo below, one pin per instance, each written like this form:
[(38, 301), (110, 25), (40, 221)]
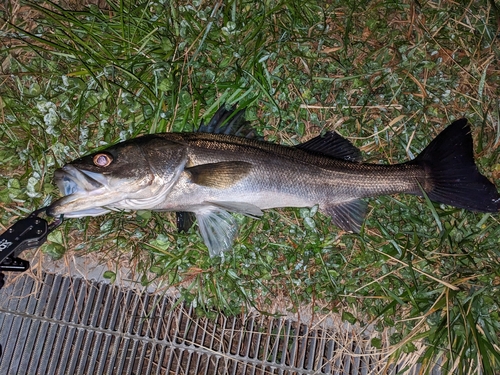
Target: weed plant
[(388, 75)]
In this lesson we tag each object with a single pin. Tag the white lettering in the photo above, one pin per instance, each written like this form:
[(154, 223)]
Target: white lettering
[(4, 244)]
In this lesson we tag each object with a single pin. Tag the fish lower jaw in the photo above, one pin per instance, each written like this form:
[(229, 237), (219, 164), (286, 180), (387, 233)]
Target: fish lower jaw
[(84, 213), (80, 205), (74, 211)]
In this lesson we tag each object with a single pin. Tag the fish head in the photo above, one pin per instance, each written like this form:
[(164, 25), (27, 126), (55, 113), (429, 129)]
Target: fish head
[(135, 174)]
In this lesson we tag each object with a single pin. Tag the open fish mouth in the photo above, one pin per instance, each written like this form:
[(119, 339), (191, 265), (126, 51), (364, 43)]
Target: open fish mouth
[(71, 180), (83, 193)]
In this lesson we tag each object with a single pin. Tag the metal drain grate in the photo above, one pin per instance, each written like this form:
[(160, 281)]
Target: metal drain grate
[(68, 325)]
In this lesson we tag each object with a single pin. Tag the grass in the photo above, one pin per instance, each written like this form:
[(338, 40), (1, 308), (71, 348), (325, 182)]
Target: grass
[(387, 75)]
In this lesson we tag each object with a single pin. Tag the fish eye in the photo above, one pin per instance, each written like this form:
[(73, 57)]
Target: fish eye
[(102, 159)]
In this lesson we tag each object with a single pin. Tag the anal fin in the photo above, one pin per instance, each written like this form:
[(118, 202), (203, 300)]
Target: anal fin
[(348, 215)]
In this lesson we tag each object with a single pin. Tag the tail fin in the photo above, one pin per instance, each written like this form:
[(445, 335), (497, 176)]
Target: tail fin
[(453, 177)]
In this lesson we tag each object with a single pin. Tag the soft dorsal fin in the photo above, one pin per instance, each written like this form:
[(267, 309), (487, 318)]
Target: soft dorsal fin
[(219, 175), (333, 145)]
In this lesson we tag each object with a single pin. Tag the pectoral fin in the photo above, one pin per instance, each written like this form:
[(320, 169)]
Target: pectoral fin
[(219, 175), (218, 229), (348, 215)]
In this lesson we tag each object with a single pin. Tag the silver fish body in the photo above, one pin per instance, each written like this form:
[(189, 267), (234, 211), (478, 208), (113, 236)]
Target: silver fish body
[(213, 174), (223, 170)]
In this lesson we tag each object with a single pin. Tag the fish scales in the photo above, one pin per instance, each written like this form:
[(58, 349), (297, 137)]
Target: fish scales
[(211, 175), (286, 166)]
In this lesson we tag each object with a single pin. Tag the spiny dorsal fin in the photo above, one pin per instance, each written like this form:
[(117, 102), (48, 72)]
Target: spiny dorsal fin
[(219, 175), (348, 215), (229, 121), (333, 145)]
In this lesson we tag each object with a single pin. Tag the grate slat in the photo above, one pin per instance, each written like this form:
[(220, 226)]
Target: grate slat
[(67, 325)]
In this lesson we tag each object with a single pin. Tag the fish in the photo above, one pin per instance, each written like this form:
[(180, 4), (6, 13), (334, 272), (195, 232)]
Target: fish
[(224, 168)]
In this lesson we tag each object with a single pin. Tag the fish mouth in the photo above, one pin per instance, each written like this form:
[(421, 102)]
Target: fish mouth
[(85, 193), (71, 180)]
